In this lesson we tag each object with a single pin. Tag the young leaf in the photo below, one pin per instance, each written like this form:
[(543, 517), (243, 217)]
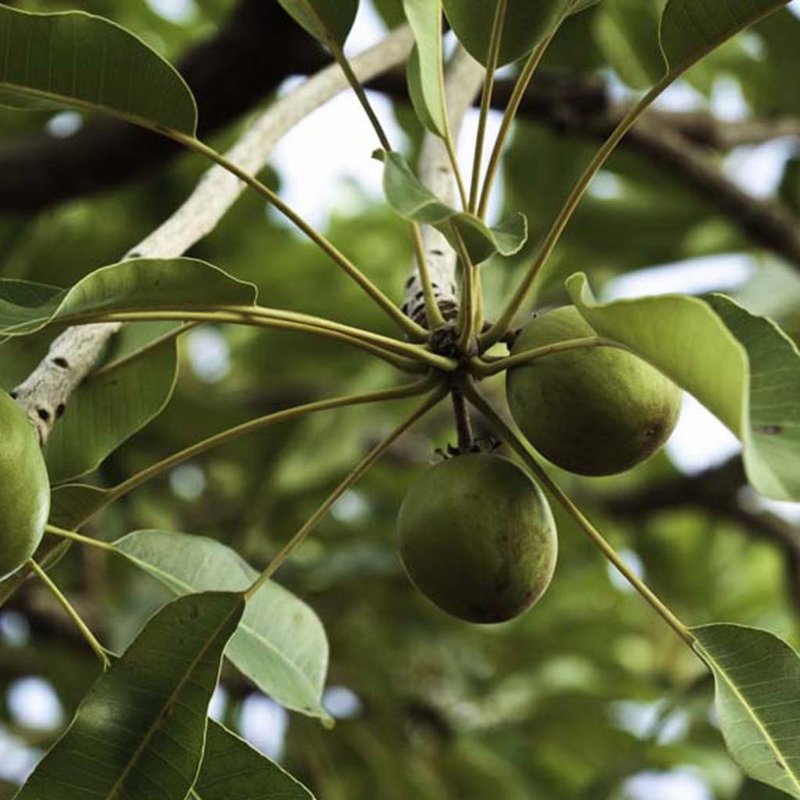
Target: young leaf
[(280, 645), (527, 23), (409, 198), (323, 17), (757, 677), (743, 368), (425, 84), (110, 407), (91, 64), (233, 769), (134, 285), (139, 732)]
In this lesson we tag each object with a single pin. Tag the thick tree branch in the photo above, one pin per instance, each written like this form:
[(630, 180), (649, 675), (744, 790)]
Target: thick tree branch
[(45, 392)]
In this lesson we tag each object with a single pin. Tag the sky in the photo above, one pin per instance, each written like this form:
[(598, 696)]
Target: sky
[(344, 177)]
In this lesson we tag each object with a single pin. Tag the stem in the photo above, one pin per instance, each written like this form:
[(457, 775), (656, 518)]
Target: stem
[(78, 537), (518, 443), (358, 472), (432, 311), (253, 426), (502, 325), (486, 369), (74, 615), (463, 422), (486, 100), (469, 293), (406, 325), (451, 154)]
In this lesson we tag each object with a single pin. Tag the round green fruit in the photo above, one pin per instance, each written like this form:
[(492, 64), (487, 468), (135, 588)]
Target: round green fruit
[(594, 411), (24, 488), (477, 538)]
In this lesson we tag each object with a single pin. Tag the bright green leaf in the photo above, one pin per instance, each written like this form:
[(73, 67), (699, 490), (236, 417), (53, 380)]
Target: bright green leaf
[(741, 367), (425, 65), (110, 406), (134, 285), (757, 678), (91, 64), (139, 732), (413, 201), (232, 769), (323, 17), (280, 645)]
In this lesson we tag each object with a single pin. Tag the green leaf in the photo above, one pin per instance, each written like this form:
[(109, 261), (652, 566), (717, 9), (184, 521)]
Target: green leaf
[(757, 677), (139, 732), (134, 285), (690, 29), (86, 62), (232, 769), (413, 201), (280, 645), (112, 405), (527, 23), (72, 504), (426, 63), (741, 367), (323, 17)]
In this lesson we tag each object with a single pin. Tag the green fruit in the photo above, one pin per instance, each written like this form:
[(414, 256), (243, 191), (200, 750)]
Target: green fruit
[(595, 411), (477, 538), (24, 488)]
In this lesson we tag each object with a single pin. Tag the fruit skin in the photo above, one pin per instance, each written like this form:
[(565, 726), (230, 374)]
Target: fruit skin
[(24, 488), (596, 411), (477, 538)]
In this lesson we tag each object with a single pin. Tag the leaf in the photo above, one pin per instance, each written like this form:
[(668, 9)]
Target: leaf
[(72, 504), (89, 63), (757, 678), (233, 769), (741, 367), (139, 732), (413, 201), (134, 285), (280, 645), (527, 23), (112, 405), (690, 29), (425, 65), (317, 16)]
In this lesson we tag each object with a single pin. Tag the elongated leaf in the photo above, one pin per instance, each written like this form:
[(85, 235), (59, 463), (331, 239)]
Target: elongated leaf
[(86, 62), (72, 504), (757, 678), (409, 198), (425, 83), (527, 23), (280, 644), (140, 731), (318, 16), (232, 769), (110, 407), (135, 285), (741, 367)]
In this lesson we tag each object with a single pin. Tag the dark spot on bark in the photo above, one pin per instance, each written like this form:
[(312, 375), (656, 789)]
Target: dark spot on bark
[(60, 409), (43, 414), (135, 254), (60, 361), (409, 282), (13, 394), (437, 252)]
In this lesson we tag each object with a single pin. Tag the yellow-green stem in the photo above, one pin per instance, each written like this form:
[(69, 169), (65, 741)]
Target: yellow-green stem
[(486, 101), (432, 311), (74, 536), (91, 639), (515, 439), (358, 472), (469, 292)]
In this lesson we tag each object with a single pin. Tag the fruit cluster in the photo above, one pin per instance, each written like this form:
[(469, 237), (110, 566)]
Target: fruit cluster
[(477, 536)]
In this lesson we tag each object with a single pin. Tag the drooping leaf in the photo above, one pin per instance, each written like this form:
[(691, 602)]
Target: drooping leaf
[(409, 198), (323, 17), (134, 285), (233, 769), (527, 23), (280, 645), (111, 405), (757, 677), (91, 64), (425, 65), (743, 368), (139, 732), (72, 504)]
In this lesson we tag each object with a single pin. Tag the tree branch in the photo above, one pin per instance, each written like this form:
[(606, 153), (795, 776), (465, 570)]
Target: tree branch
[(45, 392)]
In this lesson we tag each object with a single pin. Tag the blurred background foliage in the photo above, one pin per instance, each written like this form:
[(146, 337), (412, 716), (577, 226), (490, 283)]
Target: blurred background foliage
[(588, 696)]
